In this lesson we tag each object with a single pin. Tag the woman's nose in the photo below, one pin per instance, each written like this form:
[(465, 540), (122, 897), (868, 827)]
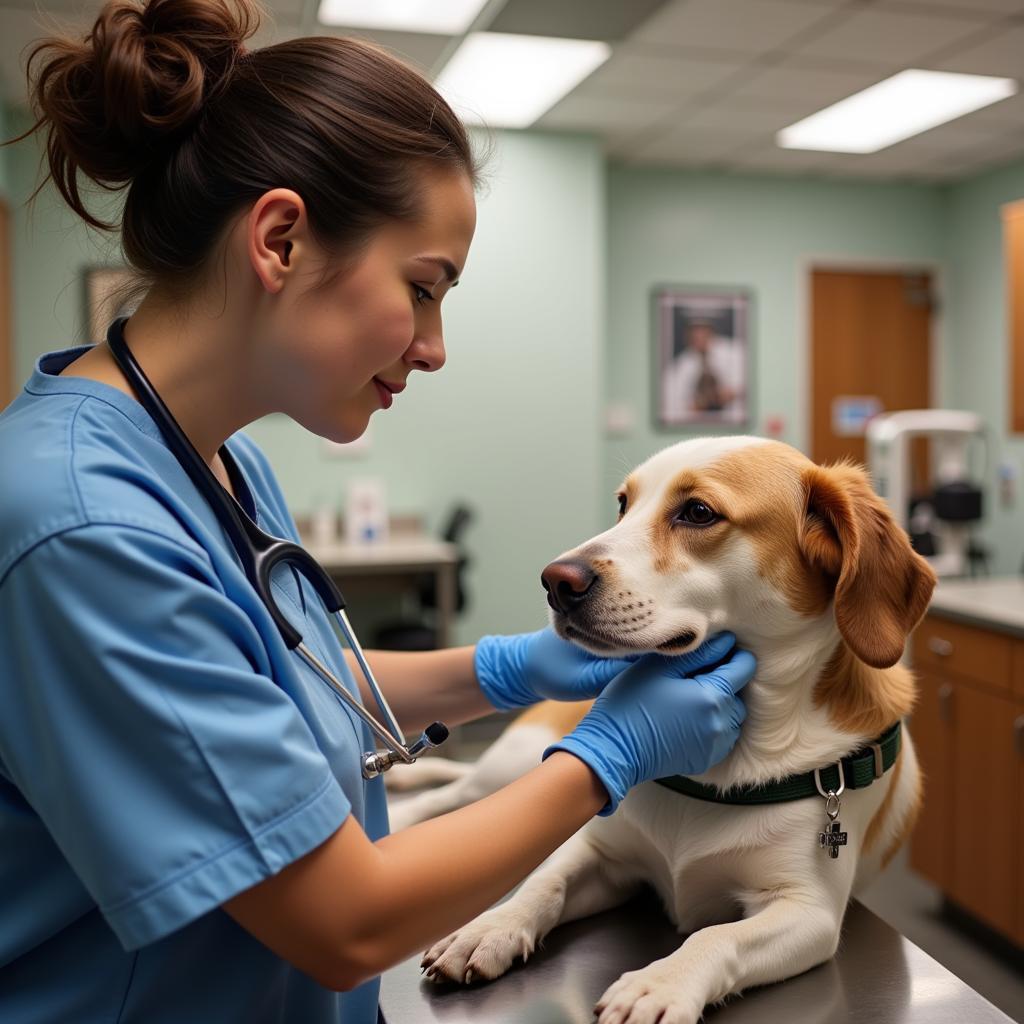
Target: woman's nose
[(427, 352)]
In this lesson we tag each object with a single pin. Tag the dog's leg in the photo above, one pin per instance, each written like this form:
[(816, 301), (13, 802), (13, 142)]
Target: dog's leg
[(786, 937), (427, 771), (423, 806), (576, 881), (512, 754)]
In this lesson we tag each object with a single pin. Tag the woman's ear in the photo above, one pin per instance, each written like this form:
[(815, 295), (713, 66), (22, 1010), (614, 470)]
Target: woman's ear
[(882, 587), (276, 225)]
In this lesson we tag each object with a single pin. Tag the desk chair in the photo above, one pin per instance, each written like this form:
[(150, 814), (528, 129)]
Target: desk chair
[(419, 634)]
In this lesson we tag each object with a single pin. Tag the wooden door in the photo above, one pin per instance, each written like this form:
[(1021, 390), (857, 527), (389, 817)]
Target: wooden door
[(1013, 245), (6, 313), (870, 336), (931, 728), (986, 854), (1018, 743)]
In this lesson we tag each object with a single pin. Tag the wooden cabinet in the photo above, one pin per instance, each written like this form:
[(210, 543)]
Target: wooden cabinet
[(968, 729), (931, 729)]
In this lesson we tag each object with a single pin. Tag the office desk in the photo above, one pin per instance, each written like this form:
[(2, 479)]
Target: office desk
[(394, 562), (877, 977)]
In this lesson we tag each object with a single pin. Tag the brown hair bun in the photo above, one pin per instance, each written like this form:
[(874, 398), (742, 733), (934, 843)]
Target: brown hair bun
[(134, 86)]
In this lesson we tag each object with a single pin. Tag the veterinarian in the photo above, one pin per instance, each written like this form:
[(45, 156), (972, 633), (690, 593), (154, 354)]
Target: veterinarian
[(185, 831)]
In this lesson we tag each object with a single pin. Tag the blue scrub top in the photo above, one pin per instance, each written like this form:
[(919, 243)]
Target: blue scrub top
[(161, 750)]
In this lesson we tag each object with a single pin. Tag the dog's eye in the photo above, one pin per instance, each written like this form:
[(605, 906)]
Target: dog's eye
[(697, 513), (622, 504)]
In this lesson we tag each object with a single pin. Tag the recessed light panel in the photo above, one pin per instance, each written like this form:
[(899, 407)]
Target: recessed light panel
[(509, 81), (908, 103), (450, 17)]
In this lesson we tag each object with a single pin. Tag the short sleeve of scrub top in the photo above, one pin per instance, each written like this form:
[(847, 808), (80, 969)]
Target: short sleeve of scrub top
[(160, 748)]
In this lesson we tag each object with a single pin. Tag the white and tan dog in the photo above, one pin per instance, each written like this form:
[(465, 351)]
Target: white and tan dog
[(806, 566)]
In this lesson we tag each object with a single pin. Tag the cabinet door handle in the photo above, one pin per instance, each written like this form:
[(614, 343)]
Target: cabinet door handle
[(1018, 734), (946, 702), (939, 646)]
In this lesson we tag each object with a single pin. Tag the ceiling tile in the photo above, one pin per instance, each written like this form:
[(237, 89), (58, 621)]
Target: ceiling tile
[(752, 119), (19, 29), (421, 50), (999, 52), (605, 113), (969, 8), (890, 37), (689, 147), (591, 19), (748, 26), (814, 88), (286, 11), (1006, 114), (777, 160), (975, 160), (629, 71)]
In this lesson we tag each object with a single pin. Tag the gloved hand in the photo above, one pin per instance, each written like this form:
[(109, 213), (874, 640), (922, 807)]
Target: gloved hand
[(653, 720), (514, 671)]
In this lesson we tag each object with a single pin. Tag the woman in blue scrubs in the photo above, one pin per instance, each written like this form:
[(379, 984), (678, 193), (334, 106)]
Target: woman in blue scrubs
[(184, 831)]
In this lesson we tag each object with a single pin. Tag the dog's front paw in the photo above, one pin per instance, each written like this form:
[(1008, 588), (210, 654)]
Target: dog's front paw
[(482, 951), (651, 995)]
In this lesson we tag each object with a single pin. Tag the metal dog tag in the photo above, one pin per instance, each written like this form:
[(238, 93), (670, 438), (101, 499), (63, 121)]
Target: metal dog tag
[(832, 838)]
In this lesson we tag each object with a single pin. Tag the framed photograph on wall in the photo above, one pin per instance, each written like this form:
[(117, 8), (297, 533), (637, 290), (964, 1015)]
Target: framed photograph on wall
[(702, 357), (107, 297)]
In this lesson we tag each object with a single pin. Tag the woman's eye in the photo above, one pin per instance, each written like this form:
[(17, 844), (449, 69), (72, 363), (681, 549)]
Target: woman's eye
[(421, 293), (697, 513), (622, 505)]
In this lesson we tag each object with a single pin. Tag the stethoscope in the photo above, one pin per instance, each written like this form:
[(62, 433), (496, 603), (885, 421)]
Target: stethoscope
[(260, 553)]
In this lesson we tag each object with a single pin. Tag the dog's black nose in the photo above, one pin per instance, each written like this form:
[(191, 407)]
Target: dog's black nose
[(568, 584)]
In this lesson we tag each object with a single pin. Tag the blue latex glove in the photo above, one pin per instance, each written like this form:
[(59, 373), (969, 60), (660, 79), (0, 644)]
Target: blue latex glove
[(514, 671), (654, 720)]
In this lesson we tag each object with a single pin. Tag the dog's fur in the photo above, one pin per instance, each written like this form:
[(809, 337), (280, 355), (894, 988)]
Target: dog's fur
[(808, 569)]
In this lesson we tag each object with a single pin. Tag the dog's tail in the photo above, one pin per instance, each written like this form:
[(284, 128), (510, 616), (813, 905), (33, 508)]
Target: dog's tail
[(427, 771)]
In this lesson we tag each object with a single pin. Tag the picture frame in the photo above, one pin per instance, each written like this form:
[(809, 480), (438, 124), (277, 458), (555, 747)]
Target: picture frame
[(702, 357), (110, 292)]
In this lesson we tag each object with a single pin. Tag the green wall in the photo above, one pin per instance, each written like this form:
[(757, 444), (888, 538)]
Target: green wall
[(673, 227), (977, 370)]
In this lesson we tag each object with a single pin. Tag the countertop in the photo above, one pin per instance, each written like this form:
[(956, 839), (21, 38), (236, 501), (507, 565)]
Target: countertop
[(996, 602), (877, 977)]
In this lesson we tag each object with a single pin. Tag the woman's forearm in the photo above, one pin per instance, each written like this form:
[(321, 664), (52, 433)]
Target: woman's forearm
[(425, 686), (352, 908)]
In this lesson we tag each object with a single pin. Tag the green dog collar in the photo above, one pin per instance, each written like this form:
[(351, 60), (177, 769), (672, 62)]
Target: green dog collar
[(859, 770)]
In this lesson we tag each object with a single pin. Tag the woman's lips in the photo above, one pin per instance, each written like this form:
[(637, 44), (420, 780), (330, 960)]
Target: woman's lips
[(386, 398)]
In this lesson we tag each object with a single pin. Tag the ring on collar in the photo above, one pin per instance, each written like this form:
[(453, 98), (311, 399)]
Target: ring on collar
[(830, 794)]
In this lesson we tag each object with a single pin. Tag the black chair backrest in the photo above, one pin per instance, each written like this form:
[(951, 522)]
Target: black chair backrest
[(460, 517)]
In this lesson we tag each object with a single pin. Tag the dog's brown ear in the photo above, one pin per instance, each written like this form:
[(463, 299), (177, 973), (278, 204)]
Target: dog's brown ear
[(882, 587)]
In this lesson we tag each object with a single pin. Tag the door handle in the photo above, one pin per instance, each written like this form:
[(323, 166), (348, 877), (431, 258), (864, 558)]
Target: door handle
[(939, 646)]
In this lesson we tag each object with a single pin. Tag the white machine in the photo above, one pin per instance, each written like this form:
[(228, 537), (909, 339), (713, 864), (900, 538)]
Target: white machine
[(940, 522)]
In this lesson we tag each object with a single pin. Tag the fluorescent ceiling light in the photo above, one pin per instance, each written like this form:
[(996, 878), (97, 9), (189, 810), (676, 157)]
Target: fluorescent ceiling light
[(452, 17), (509, 81), (912, 101)]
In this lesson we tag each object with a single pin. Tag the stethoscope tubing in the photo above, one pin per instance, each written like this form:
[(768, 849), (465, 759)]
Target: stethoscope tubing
[(259, 553)]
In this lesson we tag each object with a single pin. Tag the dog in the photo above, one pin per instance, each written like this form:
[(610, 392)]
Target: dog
[(806, 566)]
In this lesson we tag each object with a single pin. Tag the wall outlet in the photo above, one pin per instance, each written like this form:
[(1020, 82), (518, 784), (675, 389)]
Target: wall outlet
[(619, 419)]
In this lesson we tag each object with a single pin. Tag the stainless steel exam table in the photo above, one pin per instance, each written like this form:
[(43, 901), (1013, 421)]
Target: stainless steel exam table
[(877, 977)]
